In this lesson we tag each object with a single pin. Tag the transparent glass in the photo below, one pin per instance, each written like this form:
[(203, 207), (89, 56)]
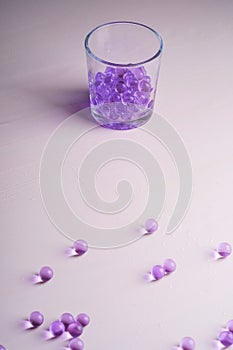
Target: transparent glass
[(123, 61)]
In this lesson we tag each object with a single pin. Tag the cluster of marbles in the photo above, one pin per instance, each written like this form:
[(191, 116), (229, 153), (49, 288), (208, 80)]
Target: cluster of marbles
[(121, 93), (159, 271), (73, 326)]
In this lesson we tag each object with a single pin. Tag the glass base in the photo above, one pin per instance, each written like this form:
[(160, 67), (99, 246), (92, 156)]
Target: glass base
[(119, 123)]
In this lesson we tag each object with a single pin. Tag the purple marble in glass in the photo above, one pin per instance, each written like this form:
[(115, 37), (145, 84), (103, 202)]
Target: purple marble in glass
[(158, 272), (76, 344), (224, 249), (2, 347), (141, 98), (144, 86), (132, 83), (151, 225), (57, 328), (80, 246), (226, 338), (120, 86), (169, 265), (139, 72), (84, 319), (115, 97), (46, 273), (66, 319), (151, 104), (75, 329), (99, 77), (36, 318), (128, 97), (187, 343)]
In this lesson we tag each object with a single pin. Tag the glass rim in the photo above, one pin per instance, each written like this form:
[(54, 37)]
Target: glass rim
[(91, 54)]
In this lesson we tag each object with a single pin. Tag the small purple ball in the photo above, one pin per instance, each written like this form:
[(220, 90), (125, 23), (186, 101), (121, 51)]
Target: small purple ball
[(84, 319), (76, 344), (2, 347), (46, 273), (226, 338), (230, 326), (187, 343), (169, 265), (151, 225), (120, 87), (99, 77), (224, 249), (36, 318), (80, 246), (75, 329), (158, 272), (66, 318), (57, 328)]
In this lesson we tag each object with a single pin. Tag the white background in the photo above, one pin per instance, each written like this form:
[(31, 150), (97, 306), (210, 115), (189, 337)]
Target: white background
[(43, 81)]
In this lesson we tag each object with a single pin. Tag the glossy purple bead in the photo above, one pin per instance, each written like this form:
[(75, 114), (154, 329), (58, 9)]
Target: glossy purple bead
[(66, 319), (2, 347), (230, 326), (132, 83), (84, 319), (46, 273), (36, 318), (187, 343), (109, 80), (147, 78), (169, 265), (224, 249), (96, 99), (144, 86), (99, 77), (110, 70), (80, 246), (76, 344), (57, 328), (151, 225), (103, 90), (75, 329), (120, 86), (139, 72), (128, 97), (141, 98), (226, 338), (115, 97), (158, 272)]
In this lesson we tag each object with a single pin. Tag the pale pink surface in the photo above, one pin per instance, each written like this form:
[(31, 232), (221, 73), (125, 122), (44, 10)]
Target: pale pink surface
[(44, 80)]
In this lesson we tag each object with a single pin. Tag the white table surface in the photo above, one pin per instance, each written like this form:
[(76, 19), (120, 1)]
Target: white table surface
[(43, 81)]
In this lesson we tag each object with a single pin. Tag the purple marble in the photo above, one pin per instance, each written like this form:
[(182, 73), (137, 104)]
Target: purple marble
[(158, 272), (226, 338), (36, 318), (57, 328), (169, 265), (75, 329)]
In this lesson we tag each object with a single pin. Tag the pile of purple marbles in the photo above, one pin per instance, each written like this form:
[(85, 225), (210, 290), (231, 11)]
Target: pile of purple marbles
[(66, 323), (121, 94)]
